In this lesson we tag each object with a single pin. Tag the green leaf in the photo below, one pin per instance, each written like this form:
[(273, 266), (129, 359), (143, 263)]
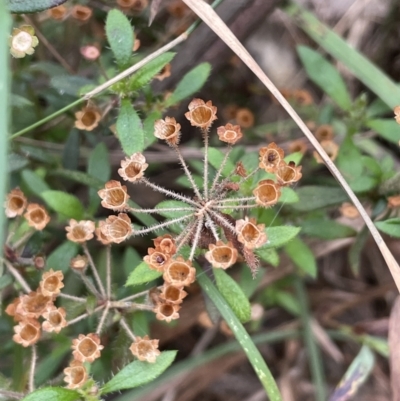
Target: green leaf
[(98, 167), (59, 259), (355, 250), (191, 83), (15, 162), (70, 155), (388, 129), (370, 75), (53, 394), (215, 158), (169, 204), (279, 236), (19, 101), (355, 376), (269, 255), (80, 177), (69, 84), (314, 197), (142, 275), (28, 6), (302, 256), (390, 227), (35, 183), (147, 72), (233, 295), (120, 36), (288, 196), (148, 127), (326, 229), (129, 129), (349, 160), (64, 203), (138, 373), (325, 75), (131, 258)]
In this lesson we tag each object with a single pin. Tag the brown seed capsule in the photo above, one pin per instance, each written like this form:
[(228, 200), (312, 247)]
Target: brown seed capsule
[(157, 260), (33, 305), (330, 147), (80, 231), (51, 283), (145, 349), (58, 13), (88, 118), (287, 174), (168, 130), (229, 133), (117, 228), (54, 319), (36, 216), (114, 196), (166, 311), (81, 13), (75, 375), (267, 193), (15, 203), (324, 133), (270, 157), (222, 255), (201, 114), (244, 117), (132, 168), (79, 263), (251, 234), (165, 244), (27, 332), (86, 348), (172, 294), (180, 272)]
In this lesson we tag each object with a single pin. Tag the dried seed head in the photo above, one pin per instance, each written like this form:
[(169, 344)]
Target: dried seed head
[(117, 228), (180, 272), (80, 262), (172, 294), (27, 332), (270, 157), (251, 234), (244, 117), (101, 237), (177, 9), (86, 348), (156, 259), (394, 201), (349, 210), (222, 255), (22, 41), (136, 45), (51, 283), (267, 193), (90, 52), (88, 118), (15, 203), (54, 319), (36, 216), (165, 244), (114, 196), (80, 231), (229, 133), (137, 6), (287, 174), (298, 146), (166, 311), (397, 114), (75, 375), (303, 97), (240, 170), (324, 133), (168, 130), (11, 310), (57, 13), (33, 305), (132, 168), (164, 73), (81, 13), (330, 148), (201, 114), (145, 349)]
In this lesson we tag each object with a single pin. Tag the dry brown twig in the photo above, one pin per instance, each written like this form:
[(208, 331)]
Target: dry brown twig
[(211, 18)]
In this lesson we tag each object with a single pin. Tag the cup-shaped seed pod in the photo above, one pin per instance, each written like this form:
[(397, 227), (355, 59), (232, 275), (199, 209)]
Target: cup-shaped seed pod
[(90, 52), (180, 272), (229, 133), (324, 133), (331, 149), (222, 255), (172, 293), (117, 228), (165, 244), (114, 196), (51, 283), (75, 375), (201, 114), (81, 13), (27, 332), (36, 216), (287, 174), (88, 118), (80, 231), (33, 305), (244, 117), (100, 236), (15, 203), (22, 41), (397, 114), (251, 234), (54, 319), (164, 73), (267, 193), (57, 13), (86, 348), (166, 311), (394, 201), (157, 260), (132, 168), (11, 309), (270, 157), (168, 130), (79, 263), (145, 349)]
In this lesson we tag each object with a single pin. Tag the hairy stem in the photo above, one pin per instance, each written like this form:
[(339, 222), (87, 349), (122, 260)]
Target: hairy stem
[(125, 326), (94, 270), (196, 237), (108, 271), (85, 315), (31, 384), (162, 225), (221, 167), (17, 276), (205, 179), (103, 318)]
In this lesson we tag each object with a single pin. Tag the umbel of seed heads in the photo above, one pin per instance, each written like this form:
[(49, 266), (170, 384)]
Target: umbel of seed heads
[(204, 221)]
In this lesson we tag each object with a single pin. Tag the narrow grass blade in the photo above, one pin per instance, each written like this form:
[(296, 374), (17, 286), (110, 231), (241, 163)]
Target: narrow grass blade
[(253, 355), (211, 18)]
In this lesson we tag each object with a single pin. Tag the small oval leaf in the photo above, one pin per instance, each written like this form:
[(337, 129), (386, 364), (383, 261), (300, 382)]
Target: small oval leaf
[(233, 295), (63, 203), (53, 394), (390, 227), (280, 235), (29, 6), (142, 274), (302, 256), (138, 373)]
